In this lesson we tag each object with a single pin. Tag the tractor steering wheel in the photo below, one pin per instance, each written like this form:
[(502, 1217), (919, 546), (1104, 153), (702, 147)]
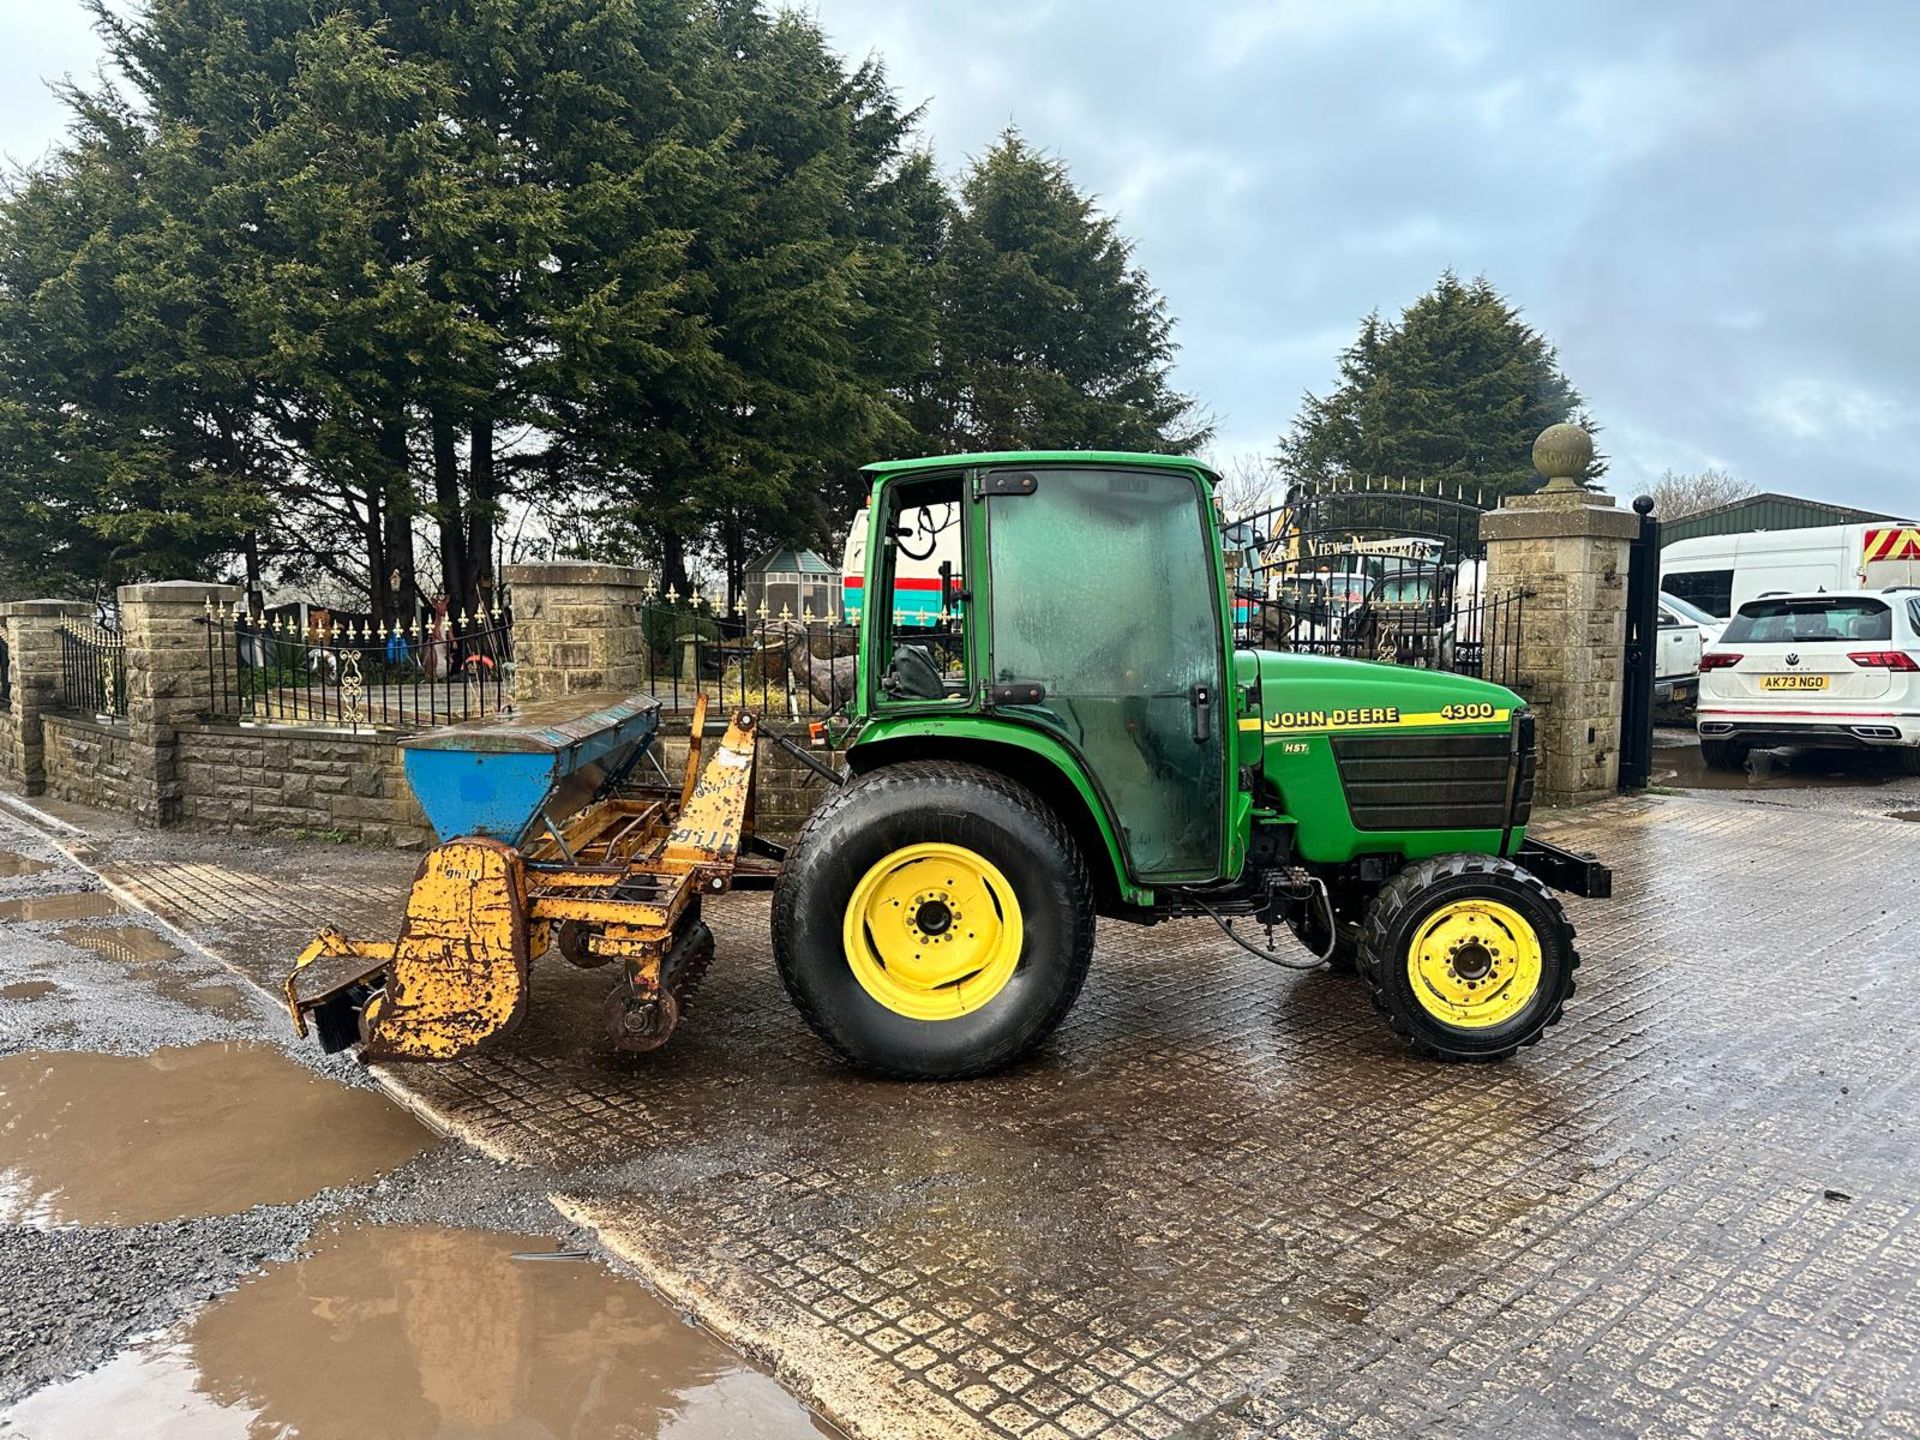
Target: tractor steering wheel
[(913, 674)]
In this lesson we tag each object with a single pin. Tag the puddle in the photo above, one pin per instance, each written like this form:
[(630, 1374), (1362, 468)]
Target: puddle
[(131, 944), (1904, 815), (423, 1331), (13, 864), (1787, 769), (204, 1130), (28, 990), (87, 905)]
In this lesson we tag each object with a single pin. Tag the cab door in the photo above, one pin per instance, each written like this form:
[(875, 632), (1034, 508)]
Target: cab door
[(1105, 630)]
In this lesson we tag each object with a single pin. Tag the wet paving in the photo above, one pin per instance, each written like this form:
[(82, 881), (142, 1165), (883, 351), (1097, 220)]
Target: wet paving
[(1223, 1202), (232, 1236), (422, 1331)]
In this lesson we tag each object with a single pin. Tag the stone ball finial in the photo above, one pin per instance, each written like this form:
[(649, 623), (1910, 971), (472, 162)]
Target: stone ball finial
[(1563, 453)]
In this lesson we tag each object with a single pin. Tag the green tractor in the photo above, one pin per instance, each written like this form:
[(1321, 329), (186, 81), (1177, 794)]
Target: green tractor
[(1082, 739)]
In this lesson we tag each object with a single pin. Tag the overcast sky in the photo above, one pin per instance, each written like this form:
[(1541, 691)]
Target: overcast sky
[(1713, 210)]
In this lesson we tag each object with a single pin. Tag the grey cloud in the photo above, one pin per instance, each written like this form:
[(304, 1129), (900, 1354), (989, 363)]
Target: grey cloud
[(1711, 209)]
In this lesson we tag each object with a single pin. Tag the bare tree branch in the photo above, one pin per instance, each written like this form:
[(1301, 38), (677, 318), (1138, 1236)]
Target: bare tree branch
[(1676, 495)]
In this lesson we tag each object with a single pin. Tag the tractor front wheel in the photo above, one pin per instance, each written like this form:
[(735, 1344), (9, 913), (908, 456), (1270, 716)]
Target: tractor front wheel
[(933, 921), (1469, 957)]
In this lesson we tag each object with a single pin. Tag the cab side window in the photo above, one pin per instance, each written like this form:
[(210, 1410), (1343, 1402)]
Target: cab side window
[(921, 651)]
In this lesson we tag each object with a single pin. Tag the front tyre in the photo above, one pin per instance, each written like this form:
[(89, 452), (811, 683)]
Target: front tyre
[(933, 921), (1469, 957)]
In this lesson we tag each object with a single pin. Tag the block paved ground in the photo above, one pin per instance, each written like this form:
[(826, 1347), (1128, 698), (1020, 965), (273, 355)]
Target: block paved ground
[(1224, 1203)]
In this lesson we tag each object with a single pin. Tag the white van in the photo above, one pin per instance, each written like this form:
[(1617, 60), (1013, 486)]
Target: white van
[(1721, 572), (930, 540)]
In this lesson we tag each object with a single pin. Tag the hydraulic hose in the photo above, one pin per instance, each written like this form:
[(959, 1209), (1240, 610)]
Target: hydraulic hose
[(1274, 957)]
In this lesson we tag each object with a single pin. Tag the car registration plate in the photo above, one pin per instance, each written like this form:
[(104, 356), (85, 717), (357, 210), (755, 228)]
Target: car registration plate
[(1793, 682)]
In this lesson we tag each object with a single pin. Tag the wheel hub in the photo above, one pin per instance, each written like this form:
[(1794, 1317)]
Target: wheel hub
[(1474, 963), (933, 917), (933, 931)]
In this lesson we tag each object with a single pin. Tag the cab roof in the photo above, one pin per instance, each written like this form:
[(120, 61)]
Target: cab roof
[(1042, 457)]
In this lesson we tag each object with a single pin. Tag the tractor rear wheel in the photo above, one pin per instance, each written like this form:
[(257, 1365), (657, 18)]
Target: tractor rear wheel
[(1469, 957), (933, 921)]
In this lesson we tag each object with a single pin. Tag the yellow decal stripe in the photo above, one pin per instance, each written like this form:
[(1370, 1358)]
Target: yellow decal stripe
[(1250, 722), (1891, 544), (1306, 722)]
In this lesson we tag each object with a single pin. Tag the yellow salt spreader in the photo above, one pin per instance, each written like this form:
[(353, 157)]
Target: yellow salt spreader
[(558, 828)]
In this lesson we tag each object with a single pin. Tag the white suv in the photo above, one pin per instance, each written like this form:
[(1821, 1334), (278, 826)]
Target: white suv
[(1839, 669)]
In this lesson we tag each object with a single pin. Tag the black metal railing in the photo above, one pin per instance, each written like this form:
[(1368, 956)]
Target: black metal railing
[(1477, 634), (799, 667), (93, 671), (356, 673)]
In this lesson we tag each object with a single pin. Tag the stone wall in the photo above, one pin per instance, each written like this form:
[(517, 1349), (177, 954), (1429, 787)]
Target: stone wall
[(285, 780), (576, 628), (31, 629), (169, 683), (88, 762)]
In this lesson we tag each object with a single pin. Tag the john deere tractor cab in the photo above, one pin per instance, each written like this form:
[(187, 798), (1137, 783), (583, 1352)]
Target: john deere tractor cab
[(1078, 736)]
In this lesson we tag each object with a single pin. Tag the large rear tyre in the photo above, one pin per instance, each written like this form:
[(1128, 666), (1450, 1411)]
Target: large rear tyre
[(1469, 957), (933, 921)]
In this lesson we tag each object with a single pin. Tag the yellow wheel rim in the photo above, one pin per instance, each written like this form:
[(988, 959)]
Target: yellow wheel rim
[(933, 931), (1474, 964)]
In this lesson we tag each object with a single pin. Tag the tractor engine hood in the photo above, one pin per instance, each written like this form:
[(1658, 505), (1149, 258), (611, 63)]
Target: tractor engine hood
[(1368, 758)]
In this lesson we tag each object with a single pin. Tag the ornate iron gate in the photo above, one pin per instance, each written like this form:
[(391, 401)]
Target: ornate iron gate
[(1376, 572)]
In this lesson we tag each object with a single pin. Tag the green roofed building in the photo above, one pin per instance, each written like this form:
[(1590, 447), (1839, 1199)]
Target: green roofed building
[(1766, 512), (796, 581)]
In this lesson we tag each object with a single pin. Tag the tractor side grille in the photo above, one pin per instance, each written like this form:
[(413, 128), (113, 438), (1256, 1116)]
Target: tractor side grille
[(1529, 762), (1430, 782)]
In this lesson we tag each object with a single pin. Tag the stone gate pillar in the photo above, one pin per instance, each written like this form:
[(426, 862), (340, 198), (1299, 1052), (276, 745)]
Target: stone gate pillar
[(1566, 548), (576, 627), (32, 632), (169, 681)]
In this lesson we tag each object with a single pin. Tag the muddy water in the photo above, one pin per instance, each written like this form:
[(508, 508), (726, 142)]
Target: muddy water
[(133, 944), (1680, 766), (205, 1130), (28, 990), (87, 905), (13, 864), (423, 1332)]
